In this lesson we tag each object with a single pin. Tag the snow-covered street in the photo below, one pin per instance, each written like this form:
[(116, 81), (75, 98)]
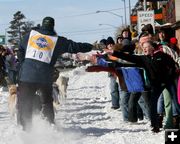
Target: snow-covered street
[(85, 117)]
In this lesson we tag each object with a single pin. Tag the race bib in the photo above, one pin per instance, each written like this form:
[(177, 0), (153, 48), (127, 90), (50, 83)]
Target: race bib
[(40, 47)]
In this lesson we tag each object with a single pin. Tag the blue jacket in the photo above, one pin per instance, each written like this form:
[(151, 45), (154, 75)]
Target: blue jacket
[(133, 79), (36, 71), (132, 76)]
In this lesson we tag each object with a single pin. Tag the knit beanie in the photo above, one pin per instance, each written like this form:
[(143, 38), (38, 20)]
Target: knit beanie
[(110, 41), (149, 28), (173, 40), (48, 23), (103, 41)]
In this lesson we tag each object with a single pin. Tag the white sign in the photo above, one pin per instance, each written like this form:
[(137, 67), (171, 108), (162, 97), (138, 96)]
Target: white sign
[(144, 18)]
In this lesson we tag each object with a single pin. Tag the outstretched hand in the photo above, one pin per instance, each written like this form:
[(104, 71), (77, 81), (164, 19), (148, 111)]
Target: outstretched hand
[(109, 51), (87, 57), (98, 46), (83, 56), (93, 59)]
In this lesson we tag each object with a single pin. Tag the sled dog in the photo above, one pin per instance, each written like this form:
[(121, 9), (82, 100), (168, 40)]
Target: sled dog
[(12, 100)]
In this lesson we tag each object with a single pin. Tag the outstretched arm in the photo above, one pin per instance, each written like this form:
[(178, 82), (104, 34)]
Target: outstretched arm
[(135, 59), (74, 47)]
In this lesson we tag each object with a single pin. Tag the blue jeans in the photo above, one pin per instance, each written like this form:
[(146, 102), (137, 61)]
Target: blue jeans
[(160, 105), (144, 103), (114, 90), (175, 105), (171, 108), (124, 104)]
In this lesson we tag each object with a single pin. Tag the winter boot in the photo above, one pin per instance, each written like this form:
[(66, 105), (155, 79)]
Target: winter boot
[(48, 112), (155, 129), (176, 122), (160, 118)]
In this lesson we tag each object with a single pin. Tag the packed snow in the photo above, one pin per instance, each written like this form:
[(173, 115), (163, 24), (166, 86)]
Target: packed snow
[(85, 117)]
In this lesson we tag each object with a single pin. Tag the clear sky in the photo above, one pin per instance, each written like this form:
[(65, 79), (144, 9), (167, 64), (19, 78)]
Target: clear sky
[(75, 19)]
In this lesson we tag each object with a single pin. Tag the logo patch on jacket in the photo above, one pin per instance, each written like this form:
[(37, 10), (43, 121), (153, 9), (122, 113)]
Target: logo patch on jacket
[(40, 47)]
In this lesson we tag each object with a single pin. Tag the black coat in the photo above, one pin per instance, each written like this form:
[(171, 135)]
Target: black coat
[(160, 67), (35, 71)]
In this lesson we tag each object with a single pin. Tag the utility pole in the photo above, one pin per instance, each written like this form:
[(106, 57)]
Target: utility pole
[(6, 35), (145, 5), (125, 12), (130, 12)]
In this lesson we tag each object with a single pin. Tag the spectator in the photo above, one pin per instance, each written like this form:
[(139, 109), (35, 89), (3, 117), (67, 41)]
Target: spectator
[(160, 75)]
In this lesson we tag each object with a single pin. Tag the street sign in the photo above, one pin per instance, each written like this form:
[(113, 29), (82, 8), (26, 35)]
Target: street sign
[(144, 18), (2, 39)]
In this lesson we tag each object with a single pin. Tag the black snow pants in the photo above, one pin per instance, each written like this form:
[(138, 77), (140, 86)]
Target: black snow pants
[(31, 97)]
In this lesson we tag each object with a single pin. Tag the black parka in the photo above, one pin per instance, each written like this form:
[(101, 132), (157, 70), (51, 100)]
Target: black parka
[(35, 71)]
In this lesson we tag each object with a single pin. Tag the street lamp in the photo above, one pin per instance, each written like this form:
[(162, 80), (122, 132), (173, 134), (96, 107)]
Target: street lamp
[(112, 14), (109, 25)]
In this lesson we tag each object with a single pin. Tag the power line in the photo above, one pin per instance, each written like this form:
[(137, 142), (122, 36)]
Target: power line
[(89, 30), (75, 15), (84, 14), (90, 13), (94, 33), (79, 15), (90, 33)]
